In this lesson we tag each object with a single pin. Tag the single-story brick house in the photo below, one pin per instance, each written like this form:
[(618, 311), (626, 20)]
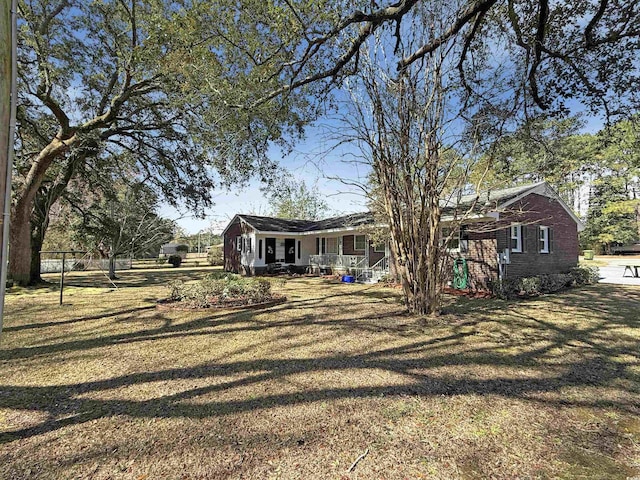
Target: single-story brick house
[(520, 231)]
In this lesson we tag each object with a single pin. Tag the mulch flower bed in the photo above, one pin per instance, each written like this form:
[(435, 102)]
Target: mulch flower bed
[(467, 293), (232, 304)]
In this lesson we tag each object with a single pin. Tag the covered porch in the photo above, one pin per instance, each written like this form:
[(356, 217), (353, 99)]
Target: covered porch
[(357, 265)]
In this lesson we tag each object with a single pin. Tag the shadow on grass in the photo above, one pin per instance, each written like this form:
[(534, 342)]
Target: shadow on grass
[(55, 323), (597, 360), (136, 278)]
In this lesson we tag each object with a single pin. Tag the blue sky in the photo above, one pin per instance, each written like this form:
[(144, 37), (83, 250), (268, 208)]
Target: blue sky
[(316, 161), (312, 160)]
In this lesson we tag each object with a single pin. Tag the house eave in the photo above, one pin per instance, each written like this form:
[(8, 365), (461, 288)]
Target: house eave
[(319, 232)]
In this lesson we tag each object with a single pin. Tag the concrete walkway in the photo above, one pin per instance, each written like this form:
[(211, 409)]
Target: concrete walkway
[(613, 274)]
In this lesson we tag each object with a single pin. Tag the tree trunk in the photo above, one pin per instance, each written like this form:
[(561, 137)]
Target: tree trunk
[(36, 246), (112, 267), (20, 244), (20, 268)]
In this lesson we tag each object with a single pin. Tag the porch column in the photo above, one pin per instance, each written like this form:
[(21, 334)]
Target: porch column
[(366, 249)]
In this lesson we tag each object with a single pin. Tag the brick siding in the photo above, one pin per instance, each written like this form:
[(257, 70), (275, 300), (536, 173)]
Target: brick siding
[(532, 211), (481, 256)]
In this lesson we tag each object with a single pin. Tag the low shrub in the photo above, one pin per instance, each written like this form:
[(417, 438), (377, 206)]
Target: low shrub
[(215, 256), (554, 283), (161, 260), (586, 275), (540, 284), (505, 288), (219, 288), (175, 260)]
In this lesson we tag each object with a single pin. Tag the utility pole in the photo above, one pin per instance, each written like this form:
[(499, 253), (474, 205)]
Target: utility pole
[(8, 100)]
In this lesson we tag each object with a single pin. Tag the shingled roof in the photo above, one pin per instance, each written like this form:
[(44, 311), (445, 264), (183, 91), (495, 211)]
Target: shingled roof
[(271, 224), (489, 199), (486, 201)]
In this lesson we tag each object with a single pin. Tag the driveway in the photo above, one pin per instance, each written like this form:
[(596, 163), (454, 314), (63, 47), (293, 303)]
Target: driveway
[(613, 274)]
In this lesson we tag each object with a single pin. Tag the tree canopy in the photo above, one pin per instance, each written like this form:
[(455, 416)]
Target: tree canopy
[(100, 79), (293, 199)]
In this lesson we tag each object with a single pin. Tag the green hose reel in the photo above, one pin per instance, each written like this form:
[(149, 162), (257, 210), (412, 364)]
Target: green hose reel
[(460, 274)]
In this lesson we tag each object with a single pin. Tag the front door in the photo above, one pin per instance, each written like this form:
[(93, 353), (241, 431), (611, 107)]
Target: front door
[(270, 251), (289, 250)]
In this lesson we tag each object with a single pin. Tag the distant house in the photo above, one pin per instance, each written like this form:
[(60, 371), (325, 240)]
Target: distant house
[(514, 232), (172, 249)]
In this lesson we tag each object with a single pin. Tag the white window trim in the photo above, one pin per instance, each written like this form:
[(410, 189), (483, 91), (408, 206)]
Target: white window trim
[(383, 245), (238, 243), (355, 243), (517, 237), (443, 238), (326, 244), (544, 239)]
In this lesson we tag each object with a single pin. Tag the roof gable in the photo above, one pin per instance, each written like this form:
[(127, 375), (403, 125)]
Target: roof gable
[(545, 190)]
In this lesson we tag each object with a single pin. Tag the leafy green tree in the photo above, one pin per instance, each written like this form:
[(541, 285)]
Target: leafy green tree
[(122, 221), (160, 80), (295, 200), (543, 149), (612, 217), (614, 202)]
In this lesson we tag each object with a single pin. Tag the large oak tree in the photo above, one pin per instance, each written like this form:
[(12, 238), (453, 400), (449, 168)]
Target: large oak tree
[(157, 79)]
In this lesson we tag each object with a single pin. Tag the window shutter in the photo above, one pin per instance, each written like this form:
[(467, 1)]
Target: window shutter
[(524, 238), (551, 242), (318, 246), (260, 248), (298, 249), (324, 245), (249, 245)]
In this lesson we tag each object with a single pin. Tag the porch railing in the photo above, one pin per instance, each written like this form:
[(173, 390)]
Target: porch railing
[(374, 273), (381, 266), (334, 260)]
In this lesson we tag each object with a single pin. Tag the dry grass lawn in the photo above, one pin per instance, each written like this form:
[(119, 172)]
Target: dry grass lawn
[(109, 387)]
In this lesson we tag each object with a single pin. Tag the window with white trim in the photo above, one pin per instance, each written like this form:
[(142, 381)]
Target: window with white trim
[(544, 239), (452, 238), (360, 242), (239, 243), (248, 244), (331, 245), (516, 238), (380, 247), (464, 238)]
